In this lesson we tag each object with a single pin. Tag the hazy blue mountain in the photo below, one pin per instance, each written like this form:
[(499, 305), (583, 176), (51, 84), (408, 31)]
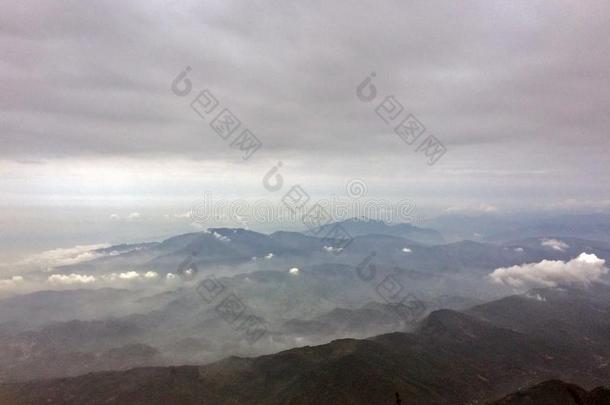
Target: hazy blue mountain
[(359, 227), (589, 226), (233, 248), (496, 228), (37, 308)]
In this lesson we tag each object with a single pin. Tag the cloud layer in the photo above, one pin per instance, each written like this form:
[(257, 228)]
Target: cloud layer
[(497, 82)]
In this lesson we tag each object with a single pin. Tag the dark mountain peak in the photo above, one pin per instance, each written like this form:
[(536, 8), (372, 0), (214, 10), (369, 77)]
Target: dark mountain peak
[(554, 392), (599, 396), (132, 350), (398, 340), (446, 318), (458, 327)]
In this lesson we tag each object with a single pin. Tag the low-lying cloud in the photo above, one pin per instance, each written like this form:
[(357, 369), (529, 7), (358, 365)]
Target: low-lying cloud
[(73, 278), (555, 244), (65, 256), (130, 275), (583, 270)]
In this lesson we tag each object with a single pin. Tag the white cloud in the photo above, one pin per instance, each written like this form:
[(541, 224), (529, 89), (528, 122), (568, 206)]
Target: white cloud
[(294, 271), (582, 270), (170, 276), (114, 217), (518, 249), (130, 275), (184, 215), (332, 249), (269, 256), (555, 244), (482, 207), (220, 237), (65, 256), (71, 279), (536, 297), (11, 282), (406, 250), (134, 216)]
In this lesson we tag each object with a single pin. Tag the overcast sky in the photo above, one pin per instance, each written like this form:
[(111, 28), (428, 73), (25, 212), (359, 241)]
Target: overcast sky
[(516, 91)]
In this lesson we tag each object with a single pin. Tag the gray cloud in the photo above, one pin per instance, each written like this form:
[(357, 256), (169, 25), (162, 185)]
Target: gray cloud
[(509, 88)]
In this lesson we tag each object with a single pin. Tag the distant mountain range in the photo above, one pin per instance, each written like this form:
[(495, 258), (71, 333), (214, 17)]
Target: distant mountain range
[(403, 246), (496, 228), (365, 226), (470, 340)]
